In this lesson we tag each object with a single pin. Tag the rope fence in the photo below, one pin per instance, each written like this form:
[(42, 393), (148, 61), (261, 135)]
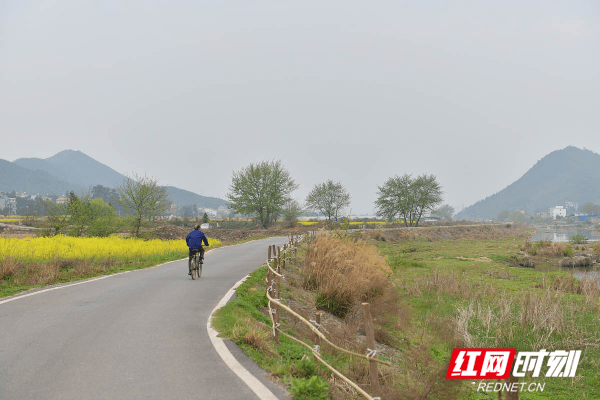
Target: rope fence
[(276, 261)]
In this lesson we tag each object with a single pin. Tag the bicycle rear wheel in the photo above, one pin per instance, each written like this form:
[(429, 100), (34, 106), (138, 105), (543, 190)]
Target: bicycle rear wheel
[(191, 266), (199, 270)]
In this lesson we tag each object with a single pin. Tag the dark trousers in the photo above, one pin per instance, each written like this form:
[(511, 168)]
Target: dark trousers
[(194, 251)]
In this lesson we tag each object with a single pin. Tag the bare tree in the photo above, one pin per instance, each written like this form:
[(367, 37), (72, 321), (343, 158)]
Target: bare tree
[(329, 198), (408, 198), (261, 190), (142, 199)]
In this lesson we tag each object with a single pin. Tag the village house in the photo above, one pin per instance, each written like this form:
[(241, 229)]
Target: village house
[(557, 211)]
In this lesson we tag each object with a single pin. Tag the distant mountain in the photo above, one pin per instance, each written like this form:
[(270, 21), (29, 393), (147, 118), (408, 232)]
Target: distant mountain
[(570, 174), (74, 170), (75, 167), (14, 177), (184, 198)]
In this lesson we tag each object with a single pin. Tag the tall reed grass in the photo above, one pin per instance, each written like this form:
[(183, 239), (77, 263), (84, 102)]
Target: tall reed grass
[(343, 272)]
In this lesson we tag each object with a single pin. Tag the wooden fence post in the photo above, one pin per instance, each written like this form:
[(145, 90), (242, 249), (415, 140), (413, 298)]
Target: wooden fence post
[(317, 337), (277, 295), (370, 332), (269, 259)]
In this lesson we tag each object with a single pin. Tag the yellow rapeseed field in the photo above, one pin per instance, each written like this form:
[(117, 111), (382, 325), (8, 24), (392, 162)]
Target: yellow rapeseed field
[(74, 248)]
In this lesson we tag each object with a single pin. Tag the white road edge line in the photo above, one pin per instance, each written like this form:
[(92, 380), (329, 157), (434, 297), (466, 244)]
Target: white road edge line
[(254, 384)]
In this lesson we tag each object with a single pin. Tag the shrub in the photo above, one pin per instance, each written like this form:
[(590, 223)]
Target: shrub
[(578, 239), (304, 368), (312, 388), (543, 248), (568, 251)]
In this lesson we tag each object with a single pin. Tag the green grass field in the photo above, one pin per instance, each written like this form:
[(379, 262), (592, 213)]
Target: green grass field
[(450, 293)]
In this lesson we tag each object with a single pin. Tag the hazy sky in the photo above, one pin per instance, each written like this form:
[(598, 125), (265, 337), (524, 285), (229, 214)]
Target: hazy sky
[(354, 91)]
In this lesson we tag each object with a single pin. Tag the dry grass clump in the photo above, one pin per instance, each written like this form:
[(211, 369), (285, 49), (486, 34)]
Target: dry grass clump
[(253, 333), (483, 232), (453, 284), (343, 273), (9, 268), (544, 320), (544, 248)]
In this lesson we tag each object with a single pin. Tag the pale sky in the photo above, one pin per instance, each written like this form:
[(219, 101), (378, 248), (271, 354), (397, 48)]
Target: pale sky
[(354, 91)]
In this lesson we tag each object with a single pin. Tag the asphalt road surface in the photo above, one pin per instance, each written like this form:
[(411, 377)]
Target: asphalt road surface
[(137, 335)]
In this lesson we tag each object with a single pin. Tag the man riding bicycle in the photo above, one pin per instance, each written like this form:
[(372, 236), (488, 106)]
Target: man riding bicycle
[(194, 241)]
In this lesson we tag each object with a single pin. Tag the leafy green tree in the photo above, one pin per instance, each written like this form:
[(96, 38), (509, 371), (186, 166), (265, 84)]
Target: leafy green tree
[(90, 217), (261, 190), (503, 215), (408, 198), (518, 216), (142, 199), (58, 215), (109, 195), (205, 218), (190, 211), (291, 212), (329, 198), (590, 208), (444, 212)]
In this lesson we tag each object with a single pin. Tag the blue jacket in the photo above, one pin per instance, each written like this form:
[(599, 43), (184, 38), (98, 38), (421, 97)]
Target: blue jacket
[(195, 238)]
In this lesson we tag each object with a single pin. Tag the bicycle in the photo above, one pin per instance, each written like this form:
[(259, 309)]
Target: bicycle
[(195, 265)]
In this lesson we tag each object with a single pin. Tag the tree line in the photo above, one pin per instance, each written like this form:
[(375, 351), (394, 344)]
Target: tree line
[(264, 190), (94, 213)]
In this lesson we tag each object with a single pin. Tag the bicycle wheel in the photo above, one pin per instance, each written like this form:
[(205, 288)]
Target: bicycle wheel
[(191, 265), (199, 270)]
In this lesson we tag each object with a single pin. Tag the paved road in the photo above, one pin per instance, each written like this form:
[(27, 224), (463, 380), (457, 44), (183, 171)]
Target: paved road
[(137, 335)]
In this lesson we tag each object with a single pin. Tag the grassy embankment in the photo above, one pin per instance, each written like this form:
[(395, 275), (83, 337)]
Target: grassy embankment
[(33, 262), (451, 288)]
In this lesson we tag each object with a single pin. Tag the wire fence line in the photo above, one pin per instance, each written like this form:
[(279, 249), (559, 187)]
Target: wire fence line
[(276, 262)]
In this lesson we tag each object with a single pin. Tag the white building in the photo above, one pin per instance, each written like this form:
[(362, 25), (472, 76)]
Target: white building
[(12, 206), (557, 211)]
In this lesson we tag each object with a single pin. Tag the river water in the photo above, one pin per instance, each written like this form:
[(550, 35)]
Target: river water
[(562, 234)]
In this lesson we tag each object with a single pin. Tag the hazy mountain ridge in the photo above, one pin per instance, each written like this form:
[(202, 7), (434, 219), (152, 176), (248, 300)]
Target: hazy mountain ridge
[(20, 179), (75, 167), (73, 170), (570, 174)]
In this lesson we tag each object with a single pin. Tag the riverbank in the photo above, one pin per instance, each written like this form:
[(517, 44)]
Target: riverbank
[(453, 289)]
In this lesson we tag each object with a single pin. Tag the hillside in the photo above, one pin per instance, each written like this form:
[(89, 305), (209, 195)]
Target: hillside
[(74, 170), (14, 177), (570, 174), (75, 167), (185, 197)]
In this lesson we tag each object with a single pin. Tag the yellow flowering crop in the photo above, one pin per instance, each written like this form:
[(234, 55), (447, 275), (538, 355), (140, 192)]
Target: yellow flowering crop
[(76, 248)]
